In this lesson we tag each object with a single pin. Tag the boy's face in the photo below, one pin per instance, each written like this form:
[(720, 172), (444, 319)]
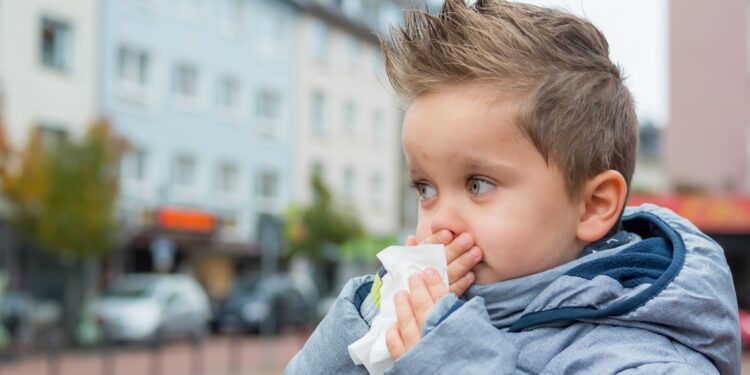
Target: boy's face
[(476, 173)]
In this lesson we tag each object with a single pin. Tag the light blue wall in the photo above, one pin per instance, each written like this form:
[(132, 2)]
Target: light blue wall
[(164, 129)]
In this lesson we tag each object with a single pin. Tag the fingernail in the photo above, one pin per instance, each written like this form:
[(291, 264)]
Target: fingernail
[(444, 236), (476, 253), (430, 274), (414, 277), (470, 277)]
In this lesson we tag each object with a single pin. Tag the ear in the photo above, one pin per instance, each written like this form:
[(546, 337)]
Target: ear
[(600, 205)]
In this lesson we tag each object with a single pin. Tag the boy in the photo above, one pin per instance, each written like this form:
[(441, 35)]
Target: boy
[(521, 139)]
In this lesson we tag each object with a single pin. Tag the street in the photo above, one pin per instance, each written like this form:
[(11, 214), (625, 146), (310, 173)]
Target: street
[(220, 355)]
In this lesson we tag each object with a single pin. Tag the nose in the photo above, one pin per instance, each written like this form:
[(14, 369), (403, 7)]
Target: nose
[(447, 215)]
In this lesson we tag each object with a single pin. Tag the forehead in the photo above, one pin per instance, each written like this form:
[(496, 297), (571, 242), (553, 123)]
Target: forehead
[(467, 114)]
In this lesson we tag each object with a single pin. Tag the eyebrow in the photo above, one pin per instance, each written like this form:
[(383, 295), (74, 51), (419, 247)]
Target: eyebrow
[(473, 164), (482, 164)]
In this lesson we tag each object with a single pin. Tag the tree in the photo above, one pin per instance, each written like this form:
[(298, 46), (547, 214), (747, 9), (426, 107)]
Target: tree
[(62, 195), (317, 231)]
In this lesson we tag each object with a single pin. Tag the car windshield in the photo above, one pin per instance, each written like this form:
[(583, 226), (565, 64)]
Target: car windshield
[(131, 288)]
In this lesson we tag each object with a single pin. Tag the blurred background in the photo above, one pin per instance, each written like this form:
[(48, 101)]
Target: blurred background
[(186, 184)]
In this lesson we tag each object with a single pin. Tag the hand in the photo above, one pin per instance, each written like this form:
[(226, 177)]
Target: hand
[(462, 255), (412, 310)]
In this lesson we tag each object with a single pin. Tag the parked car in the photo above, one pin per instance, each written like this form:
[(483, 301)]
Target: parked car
[(146, 307), (264, 304)]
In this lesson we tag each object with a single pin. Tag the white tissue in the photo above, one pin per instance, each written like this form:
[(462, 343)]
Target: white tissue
[(400, 262)]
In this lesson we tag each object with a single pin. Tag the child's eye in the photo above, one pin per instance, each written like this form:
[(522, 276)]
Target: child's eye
[(424, 190), (478, 186)]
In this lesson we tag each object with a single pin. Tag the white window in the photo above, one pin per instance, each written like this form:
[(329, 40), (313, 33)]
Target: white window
[(56, 44), (319, 43), (317, 113), (271, 27), (377, 126), (52, 134), (229, 94), (135, 165), (350, 116), (184, 172), (133, 72), (376, 190), (232, 14), (350, 183), (186, 82), (267, 190), (352, 52), (317, 168), (268, 110), (227, 178), (190, 9)]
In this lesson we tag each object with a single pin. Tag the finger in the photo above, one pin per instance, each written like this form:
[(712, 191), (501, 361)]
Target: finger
[(435, 284), (442, 237), (407, 323), (421, 299), (459, 287), (458, 246), (411, 241), (394, 343), (463, 264)]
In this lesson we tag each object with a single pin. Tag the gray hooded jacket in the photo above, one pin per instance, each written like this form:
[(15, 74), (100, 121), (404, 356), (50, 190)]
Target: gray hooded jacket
[(657, 298)]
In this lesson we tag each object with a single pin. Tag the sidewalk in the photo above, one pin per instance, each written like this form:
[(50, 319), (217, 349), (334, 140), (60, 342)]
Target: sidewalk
[(217, 356)]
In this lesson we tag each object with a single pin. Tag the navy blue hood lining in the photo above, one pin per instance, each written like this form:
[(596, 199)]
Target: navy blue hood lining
[(656, 260)]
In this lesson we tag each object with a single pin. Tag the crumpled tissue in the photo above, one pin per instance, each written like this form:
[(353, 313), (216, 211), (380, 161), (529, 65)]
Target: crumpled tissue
[(400, 262)]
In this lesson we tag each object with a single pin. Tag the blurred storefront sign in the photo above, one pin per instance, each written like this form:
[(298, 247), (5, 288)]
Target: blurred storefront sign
[(181, 219), (711, 214)]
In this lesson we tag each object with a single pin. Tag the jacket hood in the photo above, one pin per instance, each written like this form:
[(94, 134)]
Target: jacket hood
[(659, 274)]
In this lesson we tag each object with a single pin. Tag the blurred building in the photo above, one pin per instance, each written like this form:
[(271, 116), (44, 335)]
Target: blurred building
[(48, 66), (707, 142), (203, 90), (348, 125)]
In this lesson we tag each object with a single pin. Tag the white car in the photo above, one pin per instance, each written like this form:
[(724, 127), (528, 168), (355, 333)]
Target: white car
[(144, 307)]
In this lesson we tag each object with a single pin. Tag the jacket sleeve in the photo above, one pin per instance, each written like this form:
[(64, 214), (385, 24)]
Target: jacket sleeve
[(326, 351), (459, 338)]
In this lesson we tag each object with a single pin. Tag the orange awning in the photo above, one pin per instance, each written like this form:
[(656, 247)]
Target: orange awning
[(186, 220), (711, 214)]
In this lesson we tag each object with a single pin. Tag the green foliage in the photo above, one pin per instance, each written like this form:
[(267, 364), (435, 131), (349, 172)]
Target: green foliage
[(366, 246), (62, 194), (313, 229)]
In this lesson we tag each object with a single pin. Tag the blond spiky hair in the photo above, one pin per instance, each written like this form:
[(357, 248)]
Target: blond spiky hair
[(577, 110)]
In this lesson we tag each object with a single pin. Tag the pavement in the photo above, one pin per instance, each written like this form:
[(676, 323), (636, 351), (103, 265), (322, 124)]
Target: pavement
[(221, 355)]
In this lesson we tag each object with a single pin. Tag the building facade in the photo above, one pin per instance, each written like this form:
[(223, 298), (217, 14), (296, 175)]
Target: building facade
[(707, 141), (203, 92), (48, 66), (348, 128)]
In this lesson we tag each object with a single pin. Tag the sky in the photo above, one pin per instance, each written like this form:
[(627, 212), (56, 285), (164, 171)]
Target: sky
[(637, 32)]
